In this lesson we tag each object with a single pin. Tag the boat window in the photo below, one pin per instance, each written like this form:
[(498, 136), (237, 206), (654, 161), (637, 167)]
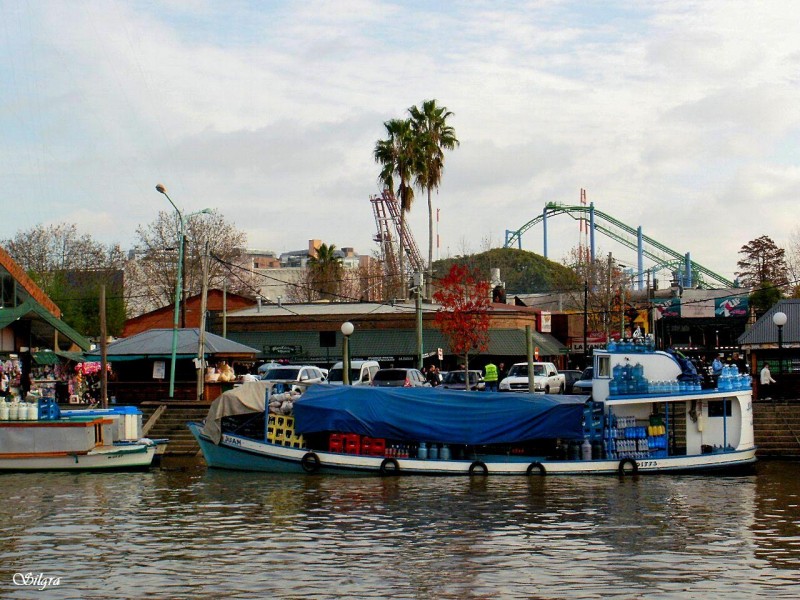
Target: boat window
[(716, 408), (602, 366)]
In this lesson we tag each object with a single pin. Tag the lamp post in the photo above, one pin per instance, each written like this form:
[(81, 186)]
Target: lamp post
[(347, 331), (179, 282), (779, 318)]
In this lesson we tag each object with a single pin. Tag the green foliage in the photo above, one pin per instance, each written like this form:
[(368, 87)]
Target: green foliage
[(764, 298), (523, 272), (77, 294)]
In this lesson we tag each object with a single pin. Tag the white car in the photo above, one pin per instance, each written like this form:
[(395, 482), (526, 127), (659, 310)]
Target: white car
[(546, 379), (361, 372), (306, 374)]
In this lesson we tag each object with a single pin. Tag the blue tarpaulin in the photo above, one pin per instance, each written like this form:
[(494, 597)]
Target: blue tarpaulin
[(432, 414)]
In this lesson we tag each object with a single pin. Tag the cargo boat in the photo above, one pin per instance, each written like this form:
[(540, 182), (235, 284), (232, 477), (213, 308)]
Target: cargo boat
[(48, 440), (648, 413)]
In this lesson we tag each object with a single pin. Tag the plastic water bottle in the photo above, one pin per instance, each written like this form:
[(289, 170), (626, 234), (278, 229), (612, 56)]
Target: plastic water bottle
[(586, 449)]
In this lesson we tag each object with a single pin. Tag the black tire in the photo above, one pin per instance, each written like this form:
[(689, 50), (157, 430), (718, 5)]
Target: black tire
[(547, 389), (310, 462), (386, 469), (628, 461), (536, 466), (561, 389), (478, 465)]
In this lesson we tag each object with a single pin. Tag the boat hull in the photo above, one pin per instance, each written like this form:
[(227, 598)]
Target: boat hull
[(246, 454), (106, 458)]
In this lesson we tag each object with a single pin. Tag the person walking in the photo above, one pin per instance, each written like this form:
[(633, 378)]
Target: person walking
[(490, 376), (766, 379)]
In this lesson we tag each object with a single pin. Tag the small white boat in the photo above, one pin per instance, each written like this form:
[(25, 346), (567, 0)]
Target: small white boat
[(647, 414), (81, 440)]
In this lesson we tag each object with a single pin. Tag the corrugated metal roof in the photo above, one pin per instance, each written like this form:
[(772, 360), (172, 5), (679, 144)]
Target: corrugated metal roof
[(389, 343), (765, 333), (157, 343)]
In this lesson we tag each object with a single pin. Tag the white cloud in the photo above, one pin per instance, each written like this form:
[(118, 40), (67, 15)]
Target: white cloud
[(679, 116)]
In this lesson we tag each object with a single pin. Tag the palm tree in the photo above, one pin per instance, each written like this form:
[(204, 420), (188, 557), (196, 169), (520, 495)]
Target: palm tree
[(398, 156), (434, 136), (326, 271)]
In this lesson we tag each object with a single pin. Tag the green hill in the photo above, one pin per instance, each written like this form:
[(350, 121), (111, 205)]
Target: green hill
[(523, 272)]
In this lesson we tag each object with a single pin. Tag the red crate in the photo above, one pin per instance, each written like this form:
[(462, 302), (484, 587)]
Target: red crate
[(373, 446), (335, 443), (351, 443)]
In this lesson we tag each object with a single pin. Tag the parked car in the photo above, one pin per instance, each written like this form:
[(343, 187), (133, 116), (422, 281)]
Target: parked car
[(584, 384), (361, 372), (294, 373), (570, 377), (454, 380), (546, 378), (399, 378)]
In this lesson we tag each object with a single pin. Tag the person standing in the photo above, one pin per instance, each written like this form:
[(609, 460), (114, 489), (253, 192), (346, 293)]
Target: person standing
[(766, 379), (490, 376)]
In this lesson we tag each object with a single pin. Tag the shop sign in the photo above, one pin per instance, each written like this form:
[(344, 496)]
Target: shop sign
[(159, 369), (545, 322), (285, 349), (731, 307)]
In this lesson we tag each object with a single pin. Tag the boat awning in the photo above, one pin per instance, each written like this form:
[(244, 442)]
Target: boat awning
[(436, 415)]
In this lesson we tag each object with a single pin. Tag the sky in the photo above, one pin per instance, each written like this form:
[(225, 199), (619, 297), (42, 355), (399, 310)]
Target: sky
[(679, 116)]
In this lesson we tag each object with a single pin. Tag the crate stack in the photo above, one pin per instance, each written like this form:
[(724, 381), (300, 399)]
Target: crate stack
[(352, 443), (280, 431)]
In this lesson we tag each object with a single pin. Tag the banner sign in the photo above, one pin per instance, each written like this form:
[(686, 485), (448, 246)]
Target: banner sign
[(666, 307), (737, 306)]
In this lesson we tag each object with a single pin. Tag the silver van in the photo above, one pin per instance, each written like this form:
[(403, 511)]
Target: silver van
[(361, 372)]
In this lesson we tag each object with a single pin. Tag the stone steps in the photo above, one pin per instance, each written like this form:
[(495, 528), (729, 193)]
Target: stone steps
[(172, 424), (777, 429)]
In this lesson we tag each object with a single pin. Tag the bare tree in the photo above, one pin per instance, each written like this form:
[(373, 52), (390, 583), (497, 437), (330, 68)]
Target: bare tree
[(155, 273)]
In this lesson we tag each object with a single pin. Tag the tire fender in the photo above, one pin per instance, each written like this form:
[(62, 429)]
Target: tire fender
[(536, 467), (628, 461), (389, 466), (310, 462), (480, 466)]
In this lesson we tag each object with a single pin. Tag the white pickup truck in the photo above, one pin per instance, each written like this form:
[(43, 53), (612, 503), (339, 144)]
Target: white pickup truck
[(546, 379)]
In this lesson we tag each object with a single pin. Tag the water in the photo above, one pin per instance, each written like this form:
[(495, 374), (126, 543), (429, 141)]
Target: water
[(216, 534)]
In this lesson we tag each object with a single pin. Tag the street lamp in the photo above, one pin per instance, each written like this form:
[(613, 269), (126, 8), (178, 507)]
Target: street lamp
[(179, 284), (347, 331), (779, 318)]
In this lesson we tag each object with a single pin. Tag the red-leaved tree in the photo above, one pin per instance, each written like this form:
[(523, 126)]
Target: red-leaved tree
[(464, 314)]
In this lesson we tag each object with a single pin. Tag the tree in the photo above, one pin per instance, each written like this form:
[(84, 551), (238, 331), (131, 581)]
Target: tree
[(433, 136), (154, 272), (399, 158), (607, 290), (326, 272), (763, 262), (71, 269), (764, 297), (464, 314)]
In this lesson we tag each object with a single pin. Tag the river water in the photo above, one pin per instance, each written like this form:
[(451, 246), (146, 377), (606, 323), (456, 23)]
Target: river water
[(198, 533)]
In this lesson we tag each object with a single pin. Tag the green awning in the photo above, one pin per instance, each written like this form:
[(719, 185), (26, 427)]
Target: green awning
[(45, 358), (73, 356), (32, 310), (385, 344)]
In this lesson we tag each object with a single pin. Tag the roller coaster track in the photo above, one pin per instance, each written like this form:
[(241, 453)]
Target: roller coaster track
[(619, 232)]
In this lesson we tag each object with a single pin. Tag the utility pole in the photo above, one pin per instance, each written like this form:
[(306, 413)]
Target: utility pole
[(418, 283), (103, 350), (201, 343), (585, 323), (529, 348)]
